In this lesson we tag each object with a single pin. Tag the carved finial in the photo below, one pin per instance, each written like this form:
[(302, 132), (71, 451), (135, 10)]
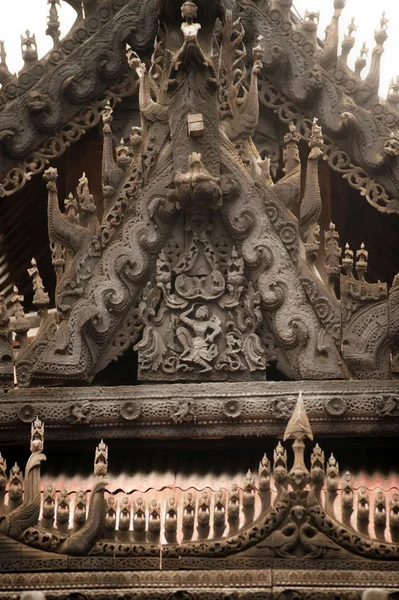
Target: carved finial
[(393, 92), (107, 117), (53, 23), (40, 299), (347, 496), (71, 208), (37, 436), (101, 460), (5, 74), (258, 51), (29, 48), (332, 474), (21, 323), (317, 475), (381, 35), (328, 57), (86, 201), (361, 262), (298, 426), (347, 261), (291, 150), (361, 61), (189, 11), (380, 510), (264, 475), (311, 22), (136, 139), (6, 349), (349, 40), (333, 254), (122, 155), (280, 472), (311, 203), (284, 7)]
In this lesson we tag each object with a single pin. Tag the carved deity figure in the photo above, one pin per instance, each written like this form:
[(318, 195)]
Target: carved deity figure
[(200, 348)]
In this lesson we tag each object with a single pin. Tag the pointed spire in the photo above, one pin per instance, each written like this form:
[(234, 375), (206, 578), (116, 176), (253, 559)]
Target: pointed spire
[(298, 429), (298, 426), (53, 23), (348, 41), (311, 202)]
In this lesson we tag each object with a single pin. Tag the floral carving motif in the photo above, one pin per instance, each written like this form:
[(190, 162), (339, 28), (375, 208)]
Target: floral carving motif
[(130, 411), (336, 406)]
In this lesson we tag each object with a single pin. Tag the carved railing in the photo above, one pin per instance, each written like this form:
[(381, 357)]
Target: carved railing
[(285, 512)]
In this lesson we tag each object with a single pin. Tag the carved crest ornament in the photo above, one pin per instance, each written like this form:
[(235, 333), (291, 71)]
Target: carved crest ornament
[(198, 261)]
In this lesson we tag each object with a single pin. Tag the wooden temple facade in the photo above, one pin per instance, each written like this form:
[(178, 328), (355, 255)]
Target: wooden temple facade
[(199, 319)]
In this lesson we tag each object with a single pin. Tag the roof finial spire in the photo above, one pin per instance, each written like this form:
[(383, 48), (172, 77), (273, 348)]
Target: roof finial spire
[(298, 428)]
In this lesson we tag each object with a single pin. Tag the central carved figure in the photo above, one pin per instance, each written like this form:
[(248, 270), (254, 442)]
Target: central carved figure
[(199, 349)]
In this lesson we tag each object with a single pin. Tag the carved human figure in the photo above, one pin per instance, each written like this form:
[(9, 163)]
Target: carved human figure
[(200, 348)]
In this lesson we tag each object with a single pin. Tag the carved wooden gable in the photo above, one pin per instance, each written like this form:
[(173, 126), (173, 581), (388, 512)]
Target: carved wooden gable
[(199, 261)]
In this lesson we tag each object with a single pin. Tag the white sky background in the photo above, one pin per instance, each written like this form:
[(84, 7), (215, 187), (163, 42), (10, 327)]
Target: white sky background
[(18, 15)]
